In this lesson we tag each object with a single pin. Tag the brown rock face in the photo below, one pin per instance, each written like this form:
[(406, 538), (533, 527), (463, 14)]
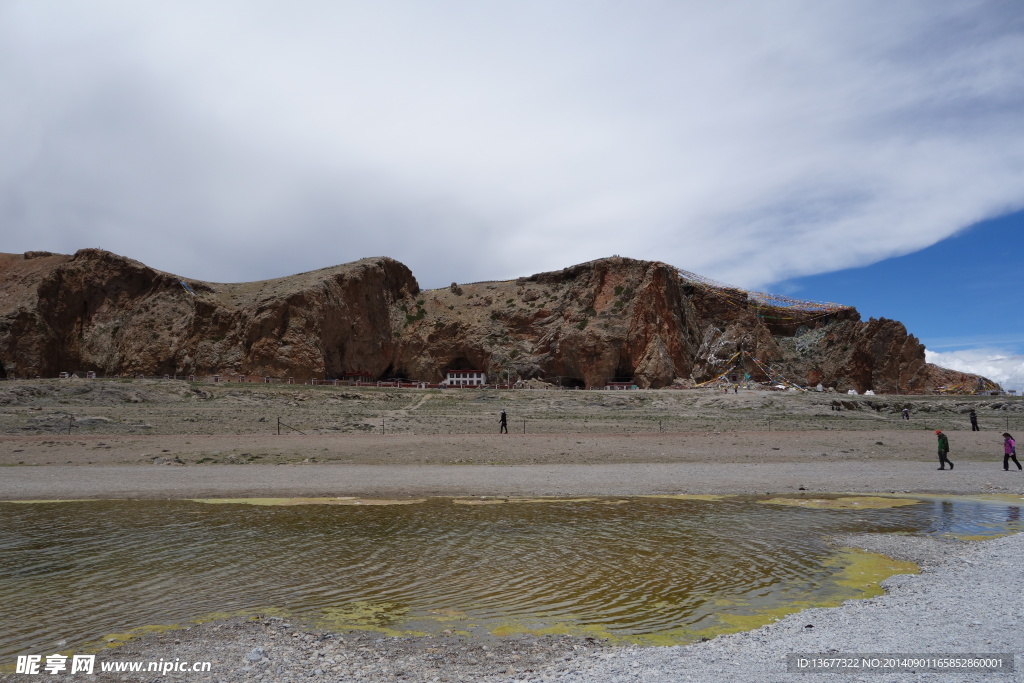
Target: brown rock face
[(613, 319), (99, 311)]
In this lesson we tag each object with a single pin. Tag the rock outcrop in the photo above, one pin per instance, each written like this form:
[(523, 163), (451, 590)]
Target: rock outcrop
[(614, 319), (99, 311)]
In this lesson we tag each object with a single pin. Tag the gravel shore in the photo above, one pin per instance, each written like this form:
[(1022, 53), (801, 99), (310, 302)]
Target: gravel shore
[(967, 599)]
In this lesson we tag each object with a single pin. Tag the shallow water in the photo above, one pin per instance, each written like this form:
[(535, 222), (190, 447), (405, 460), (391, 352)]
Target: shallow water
[(646, 569)]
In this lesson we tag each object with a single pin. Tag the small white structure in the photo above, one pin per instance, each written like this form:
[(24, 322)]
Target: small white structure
[(852, 392), (464, 378)]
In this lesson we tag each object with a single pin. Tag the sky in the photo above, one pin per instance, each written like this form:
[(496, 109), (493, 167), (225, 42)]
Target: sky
[(961, 297), (760, 144)]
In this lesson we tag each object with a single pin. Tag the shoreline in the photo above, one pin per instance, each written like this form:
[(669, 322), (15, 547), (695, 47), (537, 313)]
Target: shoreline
[(964, 600)]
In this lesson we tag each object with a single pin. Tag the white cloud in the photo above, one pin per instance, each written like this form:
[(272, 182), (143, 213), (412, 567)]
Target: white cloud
[(1000, 366), (746, 141)]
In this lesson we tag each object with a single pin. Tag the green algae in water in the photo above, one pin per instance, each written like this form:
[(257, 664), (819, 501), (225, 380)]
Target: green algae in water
[(340, 500), (858, 574), (364, 615), (843, 502), (653, 571), (42, 502)]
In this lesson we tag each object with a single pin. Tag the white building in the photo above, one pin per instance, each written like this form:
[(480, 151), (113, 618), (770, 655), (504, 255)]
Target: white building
[(464, 378)]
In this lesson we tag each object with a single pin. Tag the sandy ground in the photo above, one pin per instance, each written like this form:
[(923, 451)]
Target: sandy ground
[(176, 466), (64, 482)]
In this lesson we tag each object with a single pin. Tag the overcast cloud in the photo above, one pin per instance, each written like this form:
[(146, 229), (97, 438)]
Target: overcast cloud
[(747, 141)]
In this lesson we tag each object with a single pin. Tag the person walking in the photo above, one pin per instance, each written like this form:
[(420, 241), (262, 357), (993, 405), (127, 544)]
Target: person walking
[(943, 450), (974, 421), (504, 422), (1009, 452), (906, 413)]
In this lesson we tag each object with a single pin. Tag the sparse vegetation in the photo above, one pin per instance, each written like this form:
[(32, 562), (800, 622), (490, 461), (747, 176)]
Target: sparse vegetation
[(420, 313)]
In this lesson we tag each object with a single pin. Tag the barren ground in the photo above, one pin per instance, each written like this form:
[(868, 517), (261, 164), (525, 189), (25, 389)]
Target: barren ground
[(167, 438)]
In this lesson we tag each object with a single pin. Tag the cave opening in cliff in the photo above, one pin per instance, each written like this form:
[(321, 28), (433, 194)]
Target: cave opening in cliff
[(394, 373), (3, 369), (572, 382), (623, 373)]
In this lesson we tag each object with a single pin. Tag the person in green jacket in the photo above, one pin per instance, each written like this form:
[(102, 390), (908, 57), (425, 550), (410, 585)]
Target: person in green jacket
[(943, 450)]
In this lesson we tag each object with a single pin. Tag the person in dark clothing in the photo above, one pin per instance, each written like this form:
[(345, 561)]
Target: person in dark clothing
[(1010, 452), (504, 423), (905, 413), (943, 450), (974, 421)]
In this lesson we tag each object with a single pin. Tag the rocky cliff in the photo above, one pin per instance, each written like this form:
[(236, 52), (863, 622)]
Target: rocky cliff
[(99, 311), (613, 319)]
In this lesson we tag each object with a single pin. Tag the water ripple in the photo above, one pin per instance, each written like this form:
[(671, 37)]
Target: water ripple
[(75, 571)]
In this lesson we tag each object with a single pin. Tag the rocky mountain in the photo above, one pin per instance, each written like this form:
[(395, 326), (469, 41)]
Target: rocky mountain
[(613, 319)]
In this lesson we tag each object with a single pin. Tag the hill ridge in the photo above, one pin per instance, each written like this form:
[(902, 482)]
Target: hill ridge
[(615, 318)]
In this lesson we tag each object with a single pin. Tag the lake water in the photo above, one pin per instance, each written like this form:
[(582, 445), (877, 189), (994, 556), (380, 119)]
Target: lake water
[(649, 570)]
